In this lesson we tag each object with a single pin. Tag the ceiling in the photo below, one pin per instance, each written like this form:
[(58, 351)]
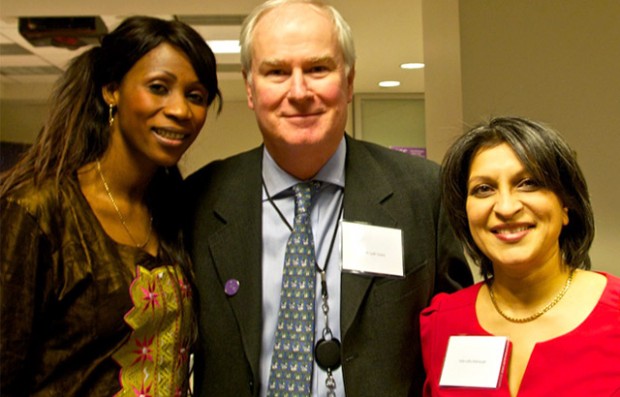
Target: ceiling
[(385, 38)]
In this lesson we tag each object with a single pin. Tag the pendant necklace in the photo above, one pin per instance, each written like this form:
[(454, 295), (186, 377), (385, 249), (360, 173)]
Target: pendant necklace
[(327, 349), (120, 215), (539, 313)]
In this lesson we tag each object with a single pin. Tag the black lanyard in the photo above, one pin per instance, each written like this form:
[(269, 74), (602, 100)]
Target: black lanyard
[(327, 349), (290, 228)]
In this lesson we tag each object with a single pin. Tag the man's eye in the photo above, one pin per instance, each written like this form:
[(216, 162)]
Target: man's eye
[(319, 69), (276, 72)]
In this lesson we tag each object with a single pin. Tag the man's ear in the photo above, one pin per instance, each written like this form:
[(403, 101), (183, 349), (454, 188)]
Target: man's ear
[(350, 79), (247, 79)]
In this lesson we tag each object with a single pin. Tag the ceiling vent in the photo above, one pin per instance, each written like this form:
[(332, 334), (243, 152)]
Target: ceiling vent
[(64, 32)]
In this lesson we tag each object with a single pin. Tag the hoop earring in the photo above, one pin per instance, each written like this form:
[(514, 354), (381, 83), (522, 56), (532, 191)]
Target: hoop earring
[(111, 114)]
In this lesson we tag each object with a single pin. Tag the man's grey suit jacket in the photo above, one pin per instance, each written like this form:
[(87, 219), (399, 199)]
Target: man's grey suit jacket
[(379, 316)]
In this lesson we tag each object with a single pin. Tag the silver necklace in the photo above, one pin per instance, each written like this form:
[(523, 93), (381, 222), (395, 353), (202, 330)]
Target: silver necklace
[(120, 215), (539, 313)]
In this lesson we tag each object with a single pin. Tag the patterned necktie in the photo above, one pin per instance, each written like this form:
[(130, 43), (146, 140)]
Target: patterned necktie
[(292, 361)]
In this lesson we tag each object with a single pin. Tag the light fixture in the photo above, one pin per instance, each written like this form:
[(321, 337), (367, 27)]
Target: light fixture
[(412, 66), (64, 32), (389, 83), (224, 46)]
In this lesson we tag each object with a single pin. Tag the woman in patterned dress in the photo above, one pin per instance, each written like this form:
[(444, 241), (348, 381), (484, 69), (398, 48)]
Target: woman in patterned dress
[(96, 287)]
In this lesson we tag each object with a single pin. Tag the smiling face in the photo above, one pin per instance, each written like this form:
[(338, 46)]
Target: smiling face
[(161, 107), (514, 221), (298, 87)]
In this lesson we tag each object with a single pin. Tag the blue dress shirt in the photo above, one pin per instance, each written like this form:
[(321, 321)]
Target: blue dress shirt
[(324, 220)]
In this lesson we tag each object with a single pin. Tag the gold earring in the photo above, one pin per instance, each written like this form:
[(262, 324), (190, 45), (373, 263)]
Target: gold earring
[(111, 114)]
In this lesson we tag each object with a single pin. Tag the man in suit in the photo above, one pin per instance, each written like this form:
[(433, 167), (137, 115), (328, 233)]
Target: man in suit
[(298, 63)]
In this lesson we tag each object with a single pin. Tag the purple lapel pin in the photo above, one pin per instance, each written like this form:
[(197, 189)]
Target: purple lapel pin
[(231, 287)]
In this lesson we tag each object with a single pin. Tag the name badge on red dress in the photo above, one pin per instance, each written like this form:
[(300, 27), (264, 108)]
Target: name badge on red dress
[(474, 361)]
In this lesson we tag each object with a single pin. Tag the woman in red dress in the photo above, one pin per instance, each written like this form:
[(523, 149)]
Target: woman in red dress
[(518, 200)]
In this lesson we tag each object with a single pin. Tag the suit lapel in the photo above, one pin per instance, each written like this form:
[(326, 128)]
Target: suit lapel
[(365, 193), (237, 249), (237, 246)]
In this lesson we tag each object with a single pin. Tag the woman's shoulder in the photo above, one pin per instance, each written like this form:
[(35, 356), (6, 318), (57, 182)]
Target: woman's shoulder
[(450, 314), (40, 197), (448, 302), (611, 293), (30, 196), (612, 280), (44, 204)]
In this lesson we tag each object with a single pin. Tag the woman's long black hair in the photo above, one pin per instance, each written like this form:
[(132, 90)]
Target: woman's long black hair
[(77, 132)]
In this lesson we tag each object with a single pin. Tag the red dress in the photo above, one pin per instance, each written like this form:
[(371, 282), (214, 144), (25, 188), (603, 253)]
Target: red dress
[(583, 363)]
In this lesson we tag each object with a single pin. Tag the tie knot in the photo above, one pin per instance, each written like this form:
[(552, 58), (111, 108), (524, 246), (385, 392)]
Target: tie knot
[(303, 196)]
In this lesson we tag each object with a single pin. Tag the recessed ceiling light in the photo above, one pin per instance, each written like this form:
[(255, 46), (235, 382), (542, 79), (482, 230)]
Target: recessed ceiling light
[(224, 46), (412, 66), (389, 83)]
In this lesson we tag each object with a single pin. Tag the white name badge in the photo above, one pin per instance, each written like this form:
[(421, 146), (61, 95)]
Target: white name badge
[(372, 249), (474, 361)]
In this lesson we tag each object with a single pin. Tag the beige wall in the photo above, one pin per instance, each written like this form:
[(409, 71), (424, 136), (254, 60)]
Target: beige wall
[(21, 120), (233, 131), (442, 75), (556, 61)]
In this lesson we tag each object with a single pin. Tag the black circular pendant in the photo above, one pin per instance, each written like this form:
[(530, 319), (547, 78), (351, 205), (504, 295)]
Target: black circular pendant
[(327, 353)]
